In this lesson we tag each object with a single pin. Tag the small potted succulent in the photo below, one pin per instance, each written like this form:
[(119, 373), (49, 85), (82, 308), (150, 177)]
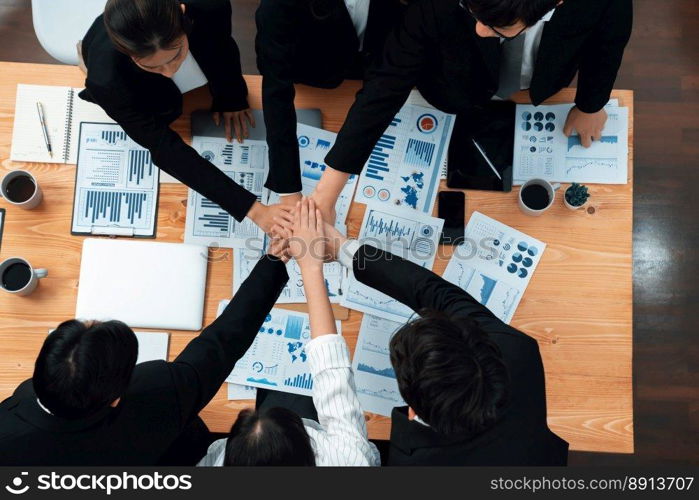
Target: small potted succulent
[(576, 196)]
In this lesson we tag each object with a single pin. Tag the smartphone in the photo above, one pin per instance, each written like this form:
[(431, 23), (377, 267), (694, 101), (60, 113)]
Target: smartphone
[(452, 208)]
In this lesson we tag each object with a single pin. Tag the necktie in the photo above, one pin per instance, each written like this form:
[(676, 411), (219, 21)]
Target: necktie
[(510, 66)]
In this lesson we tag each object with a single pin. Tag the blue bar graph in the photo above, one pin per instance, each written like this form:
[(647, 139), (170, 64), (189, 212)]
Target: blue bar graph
[(377, 226), (301, 381), (139, 159), (227, 154), (323, 144), (107, 207), (419, 153), (378, 160), (294, 324), (214, 217), (113, 136), (395, 121), (574, 140), (244, 155)]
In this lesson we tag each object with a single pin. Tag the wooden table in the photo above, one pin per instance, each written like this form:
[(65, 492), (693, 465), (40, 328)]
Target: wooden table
[(578, 305)]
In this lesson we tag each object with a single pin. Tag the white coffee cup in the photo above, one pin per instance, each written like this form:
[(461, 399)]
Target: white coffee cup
[(550, 191), (28, 284), (32, 201)]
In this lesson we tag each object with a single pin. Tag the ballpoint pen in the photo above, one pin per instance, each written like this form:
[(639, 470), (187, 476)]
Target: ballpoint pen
[(43, 128), (480, 150)]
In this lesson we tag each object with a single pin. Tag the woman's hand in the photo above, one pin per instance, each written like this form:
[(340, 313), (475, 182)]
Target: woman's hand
[(236, 122), (307, 239), (279, 248)]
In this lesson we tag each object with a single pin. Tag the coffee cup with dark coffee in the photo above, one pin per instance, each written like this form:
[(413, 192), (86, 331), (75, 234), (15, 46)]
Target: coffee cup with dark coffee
[(18, 277), (536, 196), (20, 188)]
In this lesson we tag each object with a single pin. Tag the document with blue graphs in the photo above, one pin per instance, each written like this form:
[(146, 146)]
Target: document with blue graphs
[(404, 166), (543, 151), (277, 358), (116, 184), (495, 264), (411, 235)]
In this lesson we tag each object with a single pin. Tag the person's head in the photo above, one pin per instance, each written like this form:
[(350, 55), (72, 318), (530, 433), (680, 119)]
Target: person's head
[(449, 373), (271, 436), (506, 18), (152, 32), (83, 368)]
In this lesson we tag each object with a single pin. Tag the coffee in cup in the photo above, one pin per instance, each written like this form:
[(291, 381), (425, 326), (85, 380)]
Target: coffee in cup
[(20, 188), (18, 277), (536, 196)]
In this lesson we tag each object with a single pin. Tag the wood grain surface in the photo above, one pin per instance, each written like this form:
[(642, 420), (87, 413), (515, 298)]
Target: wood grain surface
[(578, 305)]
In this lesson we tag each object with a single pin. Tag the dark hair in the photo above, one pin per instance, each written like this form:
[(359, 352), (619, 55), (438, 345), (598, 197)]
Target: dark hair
[(83, 367), (139, 28), (270, 436), (501, 13), (449, 373)]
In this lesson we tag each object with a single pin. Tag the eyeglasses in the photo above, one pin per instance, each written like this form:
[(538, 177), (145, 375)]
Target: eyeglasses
[(462, 4)]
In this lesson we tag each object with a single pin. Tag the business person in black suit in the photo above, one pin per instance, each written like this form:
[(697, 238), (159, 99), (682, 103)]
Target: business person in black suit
[(318, 43), (474, 386), (460, 53), (141, 55), (87, 404)]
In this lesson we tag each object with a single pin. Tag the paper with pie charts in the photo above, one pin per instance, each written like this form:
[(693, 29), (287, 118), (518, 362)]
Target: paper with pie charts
[(495, 264), (404, 166)]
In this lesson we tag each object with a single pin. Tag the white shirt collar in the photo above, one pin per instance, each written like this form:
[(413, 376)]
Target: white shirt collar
[(547, 17), (43, 407)]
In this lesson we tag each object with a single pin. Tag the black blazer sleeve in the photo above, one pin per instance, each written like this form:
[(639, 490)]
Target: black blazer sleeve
[(601, 56), (385, 90), (171, 153), (275, 45), (204, 364), (420, 288), (218, 55)]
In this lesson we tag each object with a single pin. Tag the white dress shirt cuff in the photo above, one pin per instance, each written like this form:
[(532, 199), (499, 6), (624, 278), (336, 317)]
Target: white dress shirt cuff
[(346, 254), (327, 352)]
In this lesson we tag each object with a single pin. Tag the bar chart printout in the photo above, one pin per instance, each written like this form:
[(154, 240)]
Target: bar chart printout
[(209, 224), (277, 358), (404, 166), (116, 188), (374, 377), (403, 232)]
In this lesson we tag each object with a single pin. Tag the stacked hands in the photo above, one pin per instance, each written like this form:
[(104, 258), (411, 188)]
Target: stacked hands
[(303, 234)]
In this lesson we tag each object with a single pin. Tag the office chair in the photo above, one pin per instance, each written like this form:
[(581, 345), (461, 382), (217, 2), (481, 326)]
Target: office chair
[(59, 24)]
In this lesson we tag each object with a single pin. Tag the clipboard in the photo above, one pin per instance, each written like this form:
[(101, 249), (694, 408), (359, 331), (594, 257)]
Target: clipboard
[(112, 230)]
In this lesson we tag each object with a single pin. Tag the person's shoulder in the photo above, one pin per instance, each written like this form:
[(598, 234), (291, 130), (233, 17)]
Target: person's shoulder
[(106, 66), (198, 8)]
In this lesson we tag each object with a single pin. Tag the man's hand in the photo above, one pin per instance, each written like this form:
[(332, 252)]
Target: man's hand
[(279, 247), (307, 239), (265, 216), (588, 125), (237, 122)]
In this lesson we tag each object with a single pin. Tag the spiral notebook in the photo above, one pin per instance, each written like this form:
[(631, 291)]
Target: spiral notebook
[(63, 112)]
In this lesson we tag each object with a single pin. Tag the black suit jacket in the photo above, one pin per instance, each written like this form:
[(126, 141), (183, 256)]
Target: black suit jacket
[(318, 47), (436, 48), (160, 402), (145, 103), (521, 435)]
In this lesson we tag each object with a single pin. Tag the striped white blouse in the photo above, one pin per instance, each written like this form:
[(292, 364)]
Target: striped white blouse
[(340, 436)]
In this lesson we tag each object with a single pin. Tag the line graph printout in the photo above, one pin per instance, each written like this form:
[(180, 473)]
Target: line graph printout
[(374, 377), (404, 166), (116, 187), (314, 144), (495, 264), (293, 293), (207, 223), (277, 358), (543, 151), (403, 232)]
